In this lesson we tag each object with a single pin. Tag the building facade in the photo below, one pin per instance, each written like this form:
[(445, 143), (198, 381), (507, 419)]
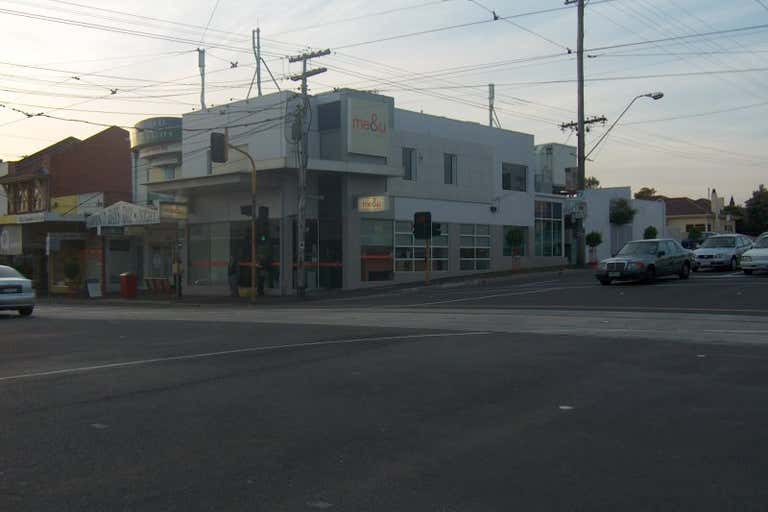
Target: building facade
[(685, 214), (370, 166)]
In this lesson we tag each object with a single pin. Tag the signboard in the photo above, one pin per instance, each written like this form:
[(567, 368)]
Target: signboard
[(174, 211), (124, 214), (156, 130), (372, 204), (10, 240), (110, 230), (368, 127), (29, 218)]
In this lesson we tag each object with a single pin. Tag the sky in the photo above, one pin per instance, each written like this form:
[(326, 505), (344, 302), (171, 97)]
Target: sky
[(116, 62)]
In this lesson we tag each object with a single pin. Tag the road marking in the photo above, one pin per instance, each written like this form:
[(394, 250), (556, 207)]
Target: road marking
[(481, 297), (308, 344)]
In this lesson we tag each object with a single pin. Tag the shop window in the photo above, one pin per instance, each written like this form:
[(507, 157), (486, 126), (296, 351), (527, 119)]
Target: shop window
[(410, 253), (548, 228), (376, 250), (450, 164), (409, 164), (474, 247), (515, 240), (514, 177)]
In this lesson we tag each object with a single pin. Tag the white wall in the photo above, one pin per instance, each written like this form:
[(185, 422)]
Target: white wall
[(480, 151), (551, 160), (647, 213), (258, 124)]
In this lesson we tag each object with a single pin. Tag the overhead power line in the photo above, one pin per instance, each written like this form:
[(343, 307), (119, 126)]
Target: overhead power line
[(520, 27), (681, 37), (699, 114), (762, 4), (210, 18)]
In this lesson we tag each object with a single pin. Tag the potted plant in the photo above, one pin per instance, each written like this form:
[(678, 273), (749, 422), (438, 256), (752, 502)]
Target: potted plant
[(621, 212), (593, 239), (515, 238), (649, 233)]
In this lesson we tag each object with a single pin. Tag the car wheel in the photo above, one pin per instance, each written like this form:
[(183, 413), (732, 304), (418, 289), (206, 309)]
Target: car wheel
[(650, 275), (605, 282), (748, 272), (685, 272), (26, 311), (734, 264)]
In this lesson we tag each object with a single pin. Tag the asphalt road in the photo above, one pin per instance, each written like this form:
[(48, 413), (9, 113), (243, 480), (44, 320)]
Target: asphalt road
[(544, 392)]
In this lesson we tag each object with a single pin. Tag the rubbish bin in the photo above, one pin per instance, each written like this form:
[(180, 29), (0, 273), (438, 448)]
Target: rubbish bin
[(128, 284)]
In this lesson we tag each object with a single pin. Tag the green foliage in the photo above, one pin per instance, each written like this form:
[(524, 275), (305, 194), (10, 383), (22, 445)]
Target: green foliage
[(650, 232), (591, 183), (621, 212), (593, 239), (694, 234), (645, 193), (756, 211)]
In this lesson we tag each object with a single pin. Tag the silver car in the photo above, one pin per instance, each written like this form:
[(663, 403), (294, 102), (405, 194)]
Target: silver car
[(721, 251), (16, 292)]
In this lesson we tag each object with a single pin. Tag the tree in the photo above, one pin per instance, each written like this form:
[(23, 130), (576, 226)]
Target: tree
[(739, 217), (645, 193), (694, 234), (621, 212), (756, 210), (591, 183), (650, 232), (593, 239)]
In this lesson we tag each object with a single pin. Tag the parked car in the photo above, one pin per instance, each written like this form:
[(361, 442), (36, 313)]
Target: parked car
[(757, 257), (646, 260), (722, 251), (16, 292)]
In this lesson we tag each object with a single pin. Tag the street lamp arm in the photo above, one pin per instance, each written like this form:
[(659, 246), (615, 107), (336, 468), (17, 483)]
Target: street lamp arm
[(613, 124)]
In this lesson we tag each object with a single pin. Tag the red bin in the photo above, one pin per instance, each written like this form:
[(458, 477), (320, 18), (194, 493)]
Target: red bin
[(128, 285)]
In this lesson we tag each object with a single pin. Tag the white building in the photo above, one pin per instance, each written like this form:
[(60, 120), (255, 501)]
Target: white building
[(370, 168), (598, 212)]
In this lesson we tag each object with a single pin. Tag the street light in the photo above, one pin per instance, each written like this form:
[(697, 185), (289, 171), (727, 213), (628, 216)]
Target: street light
[(653, 95)]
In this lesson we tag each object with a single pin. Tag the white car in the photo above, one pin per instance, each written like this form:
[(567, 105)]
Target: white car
[(721, 251), (16, 292), (757, 257)]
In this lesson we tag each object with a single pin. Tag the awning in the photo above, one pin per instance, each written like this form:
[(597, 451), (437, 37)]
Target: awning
[(38, 217), (233, 179), (124, 214)]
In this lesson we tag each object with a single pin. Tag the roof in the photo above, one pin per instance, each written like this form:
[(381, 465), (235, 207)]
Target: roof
[(686, 206)]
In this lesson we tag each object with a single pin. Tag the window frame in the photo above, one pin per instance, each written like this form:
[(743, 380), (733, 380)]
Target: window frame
[(412, 161), (404, 228), (509, 169), (475, 247), (454, 168)]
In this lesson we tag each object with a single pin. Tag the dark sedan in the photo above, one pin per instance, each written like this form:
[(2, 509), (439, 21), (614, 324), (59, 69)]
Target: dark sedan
[(646, 260)]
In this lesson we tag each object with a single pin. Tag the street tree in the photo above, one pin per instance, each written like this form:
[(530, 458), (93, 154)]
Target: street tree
[(593, 239), (621, 212), (756, 210), (650, 232), (591, 183), (645, 193)]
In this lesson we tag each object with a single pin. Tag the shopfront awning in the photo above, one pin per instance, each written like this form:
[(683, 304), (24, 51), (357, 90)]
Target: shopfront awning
[(124, 214), (39, 217), (225, 180)]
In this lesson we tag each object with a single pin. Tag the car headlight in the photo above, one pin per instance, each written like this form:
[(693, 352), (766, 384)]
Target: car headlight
[(746, 258), (722, 256), (636, 265), (603, 265)]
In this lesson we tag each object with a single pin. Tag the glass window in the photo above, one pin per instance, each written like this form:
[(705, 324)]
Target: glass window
[(449, 168), (376, 252), (474, 249), (409, 164), (514, 177), (515, 240), (548, 235), (410, 254)]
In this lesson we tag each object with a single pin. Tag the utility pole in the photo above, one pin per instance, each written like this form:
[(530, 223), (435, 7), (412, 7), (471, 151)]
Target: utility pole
[(302, 146), (201, 65), (491, 98), (258, 60)]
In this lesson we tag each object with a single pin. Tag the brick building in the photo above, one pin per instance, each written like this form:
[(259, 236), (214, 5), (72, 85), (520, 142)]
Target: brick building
[(49, 194)]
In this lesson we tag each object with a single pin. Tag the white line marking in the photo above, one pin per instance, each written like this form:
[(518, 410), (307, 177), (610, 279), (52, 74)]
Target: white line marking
[(482, 297), (141, 362)]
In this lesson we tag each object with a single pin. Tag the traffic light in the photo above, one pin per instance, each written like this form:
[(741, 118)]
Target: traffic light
[(262, 225), (219, 150), (422, 225)]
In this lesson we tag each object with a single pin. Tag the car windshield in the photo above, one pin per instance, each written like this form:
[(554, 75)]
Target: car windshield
[(761, 243), (639, 248), (720, 241), (8, 272)]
